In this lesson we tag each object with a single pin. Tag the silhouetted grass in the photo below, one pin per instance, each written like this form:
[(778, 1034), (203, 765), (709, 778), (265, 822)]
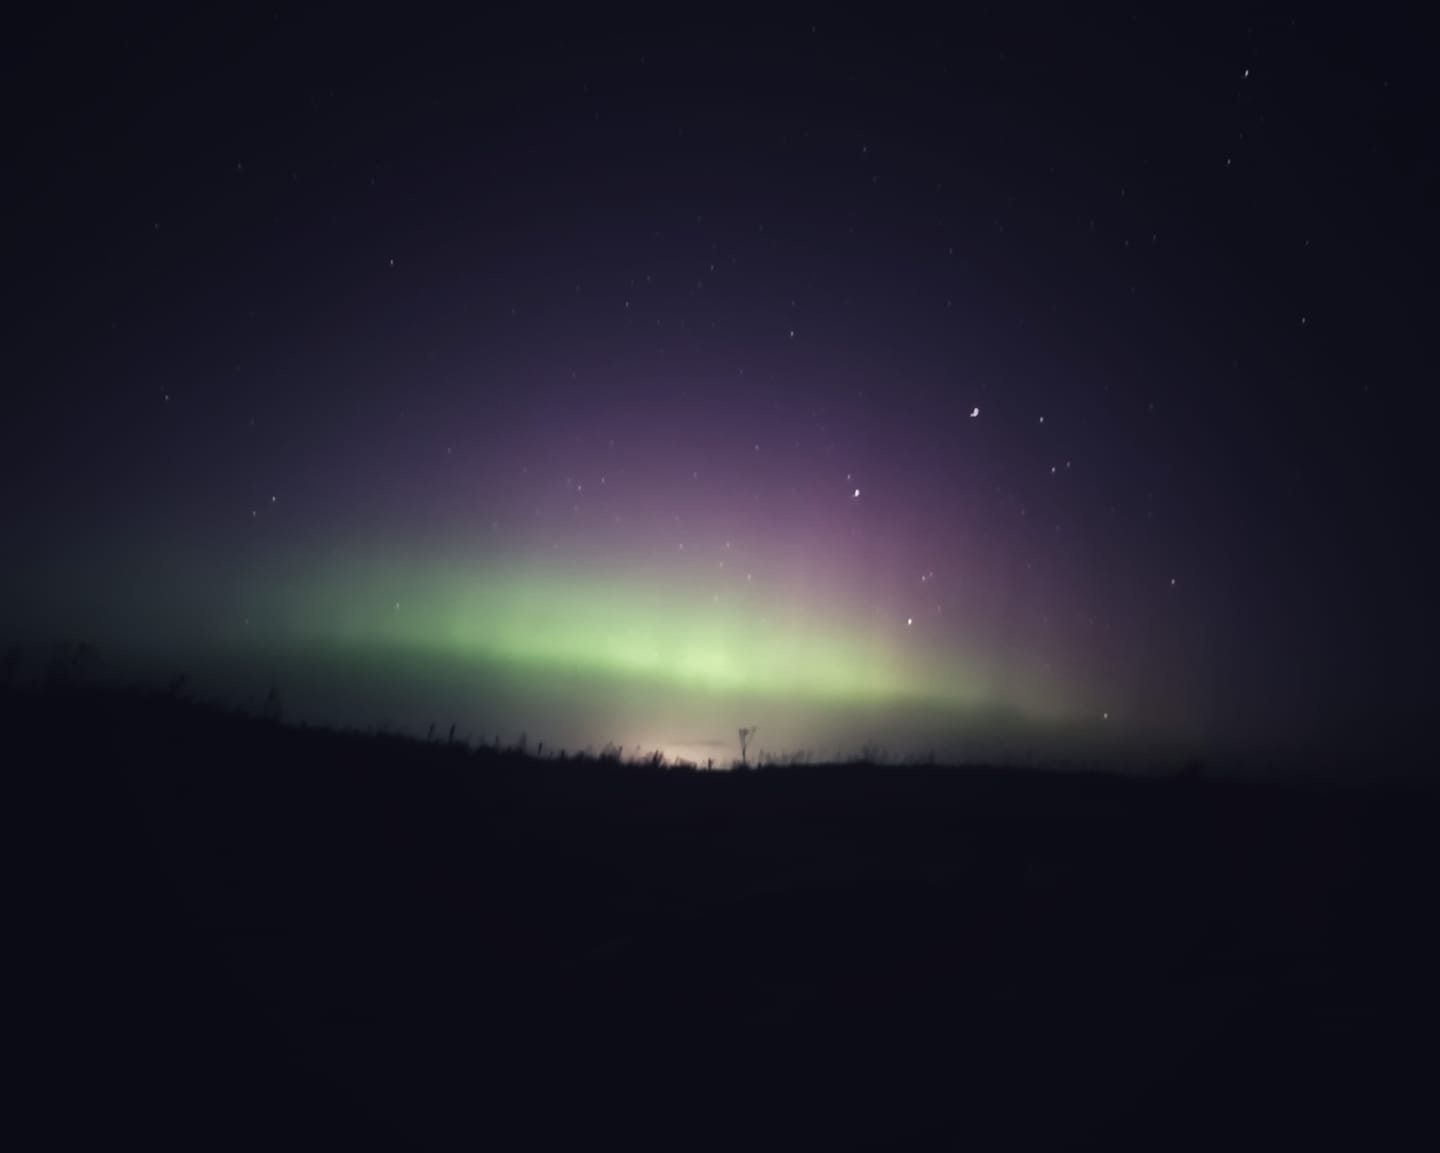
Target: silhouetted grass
[(254, 932)]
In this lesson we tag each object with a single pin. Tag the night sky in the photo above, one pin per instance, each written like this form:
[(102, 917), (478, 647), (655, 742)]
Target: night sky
[(1049, 384)]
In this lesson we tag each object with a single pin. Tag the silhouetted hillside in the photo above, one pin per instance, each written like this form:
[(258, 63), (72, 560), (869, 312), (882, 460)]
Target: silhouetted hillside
[(249, 933)]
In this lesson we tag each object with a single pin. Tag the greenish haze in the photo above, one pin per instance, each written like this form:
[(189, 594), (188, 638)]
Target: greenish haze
[(537, 619)]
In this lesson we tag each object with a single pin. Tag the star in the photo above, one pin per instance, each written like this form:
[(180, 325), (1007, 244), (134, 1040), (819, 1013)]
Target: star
[(857, 494), (974, 412)]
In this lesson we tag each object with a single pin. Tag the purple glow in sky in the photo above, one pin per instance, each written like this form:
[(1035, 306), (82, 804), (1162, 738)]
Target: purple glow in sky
[(1030, 371)]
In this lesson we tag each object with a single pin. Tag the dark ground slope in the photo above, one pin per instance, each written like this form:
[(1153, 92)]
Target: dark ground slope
[(238, 932)]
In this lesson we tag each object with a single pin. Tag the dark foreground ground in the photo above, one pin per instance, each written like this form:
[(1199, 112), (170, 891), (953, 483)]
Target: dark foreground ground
[(244, 935)]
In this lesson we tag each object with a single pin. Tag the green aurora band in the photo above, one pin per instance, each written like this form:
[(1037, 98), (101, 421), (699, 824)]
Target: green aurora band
[(579, 652), (638, 628)]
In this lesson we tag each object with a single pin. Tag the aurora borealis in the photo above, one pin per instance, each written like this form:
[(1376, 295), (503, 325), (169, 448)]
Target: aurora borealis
[(674, 661), (965, 392), (618, 627)]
